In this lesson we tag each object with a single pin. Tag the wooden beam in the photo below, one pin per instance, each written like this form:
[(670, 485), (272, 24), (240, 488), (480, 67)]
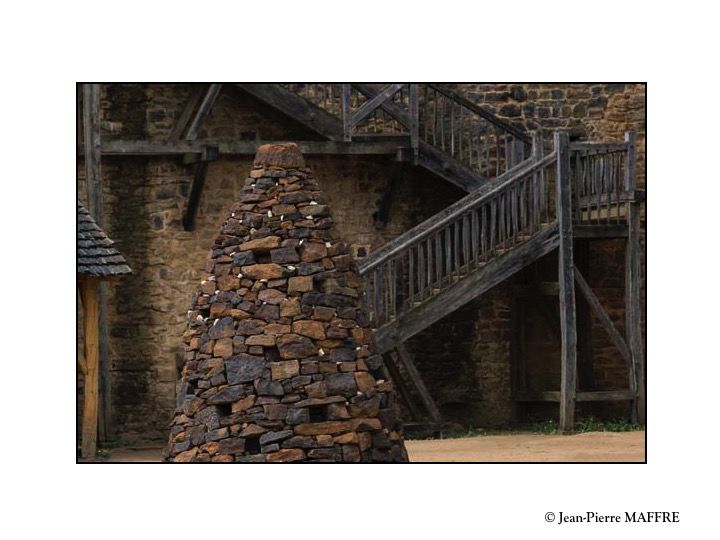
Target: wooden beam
[(386, 146), (594, 395), (194, 197), (568, 360), (299, 109), (486, 277), (408, 363), (92, 149), (94, 184), (633, 322), (604, 318), (396, 378), (196, 94), (615, 230), (382, 216), (203, 111), (91, 313), (586, 375)]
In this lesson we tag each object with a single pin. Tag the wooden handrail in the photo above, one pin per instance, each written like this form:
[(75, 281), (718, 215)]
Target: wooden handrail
[(453, 212)]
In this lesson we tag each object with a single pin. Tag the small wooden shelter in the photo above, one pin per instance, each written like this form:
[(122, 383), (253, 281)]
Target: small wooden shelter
[(97, 260)]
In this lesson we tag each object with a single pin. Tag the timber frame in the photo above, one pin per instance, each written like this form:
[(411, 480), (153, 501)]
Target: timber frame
[(522, 203)]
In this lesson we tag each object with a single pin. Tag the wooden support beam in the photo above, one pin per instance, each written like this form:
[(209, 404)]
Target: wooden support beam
[(346, 113), (633, 322), (594, 395), (382, 216), (414, 121), (407, 361), (604, 319), (586, 375), (194, 197), (568, 360), (386, 146), (91, 313), (93, 178), (405, 394), (196, 93), (203, 111), (92, 148)]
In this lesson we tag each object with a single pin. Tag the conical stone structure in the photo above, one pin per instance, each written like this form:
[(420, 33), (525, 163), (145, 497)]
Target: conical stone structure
[(279, 363)]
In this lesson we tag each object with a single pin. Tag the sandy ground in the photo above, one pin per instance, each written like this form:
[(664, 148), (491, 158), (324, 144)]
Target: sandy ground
[(521, 447)]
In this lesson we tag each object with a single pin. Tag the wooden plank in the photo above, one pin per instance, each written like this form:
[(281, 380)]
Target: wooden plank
[(203, 111), (603, 317), (633, 322), (606, 395), (594, 395), (408, 363), (568, 360), (490, 274), (600, 231), (384, 146), (196, 93), (91, 314), (299, 109)]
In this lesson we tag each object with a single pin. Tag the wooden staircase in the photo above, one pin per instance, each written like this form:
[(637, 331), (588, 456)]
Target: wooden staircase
[(521, 205)]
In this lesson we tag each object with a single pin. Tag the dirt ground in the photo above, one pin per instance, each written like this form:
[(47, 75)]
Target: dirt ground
[(520, 447)]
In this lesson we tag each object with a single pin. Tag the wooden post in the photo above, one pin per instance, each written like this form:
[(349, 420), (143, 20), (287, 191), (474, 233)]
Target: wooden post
[(568, 328), (406, 359), (633, 324), (91, 312), (93, 179), (517, 152), (414, 122), (346, 114)]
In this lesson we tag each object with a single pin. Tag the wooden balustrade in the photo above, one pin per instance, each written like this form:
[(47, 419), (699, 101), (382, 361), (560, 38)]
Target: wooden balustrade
[(600, 190)]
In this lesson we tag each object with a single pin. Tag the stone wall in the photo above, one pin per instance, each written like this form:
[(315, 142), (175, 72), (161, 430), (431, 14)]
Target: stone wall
[(143, 203)]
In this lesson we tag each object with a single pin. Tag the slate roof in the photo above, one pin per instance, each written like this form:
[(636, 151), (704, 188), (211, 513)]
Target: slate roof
[(96, 255)]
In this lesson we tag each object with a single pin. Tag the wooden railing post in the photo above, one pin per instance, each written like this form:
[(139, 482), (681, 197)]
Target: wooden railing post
[(414, 121), (517, 152), (633, 323), (568, 361), (537, 144), (346, 113)]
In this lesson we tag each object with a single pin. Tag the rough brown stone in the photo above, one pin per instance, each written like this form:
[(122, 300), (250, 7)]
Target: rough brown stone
[(311, 329), (261, 244), (300, 284), (293, 346), (263, 271), (284, 370), (286, 455)]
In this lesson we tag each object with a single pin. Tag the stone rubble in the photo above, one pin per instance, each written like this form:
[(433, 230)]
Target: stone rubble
[(280, 364)]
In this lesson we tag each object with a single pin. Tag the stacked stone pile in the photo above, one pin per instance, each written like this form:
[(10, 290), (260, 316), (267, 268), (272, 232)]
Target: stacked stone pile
[(280, 364)]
